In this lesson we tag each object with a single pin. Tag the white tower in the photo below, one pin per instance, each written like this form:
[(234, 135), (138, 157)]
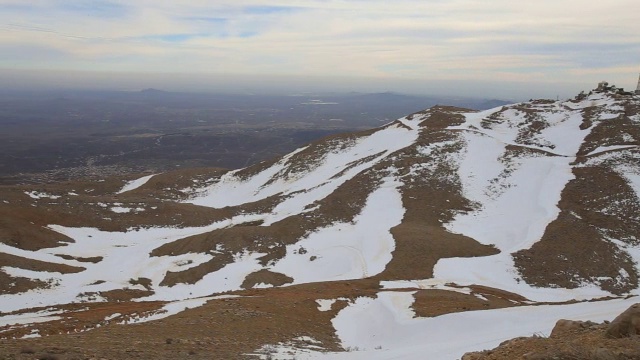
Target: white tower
[(638, 87)]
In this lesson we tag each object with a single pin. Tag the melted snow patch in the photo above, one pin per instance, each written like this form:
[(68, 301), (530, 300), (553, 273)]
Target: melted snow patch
[(300, 346), (172, 308), (35, 333), (125, 256), (349, 250), (385, 327), (424, 285), (515, 217), (229, 278), (231, 191), (632, 175), (512, 219), (325, 304), (112, 316), (602, 149), (125, 210), (134, 184), (30, 318), (39, 195)]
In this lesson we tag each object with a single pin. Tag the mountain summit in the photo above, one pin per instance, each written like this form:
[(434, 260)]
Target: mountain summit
[(534, 202)]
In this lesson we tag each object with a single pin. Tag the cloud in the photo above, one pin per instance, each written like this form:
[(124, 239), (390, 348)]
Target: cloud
[(436, 40), (265, 10), (92, 8)]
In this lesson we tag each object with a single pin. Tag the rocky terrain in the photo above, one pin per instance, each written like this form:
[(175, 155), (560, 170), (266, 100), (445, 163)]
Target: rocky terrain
[(396, 242), (615, 340)]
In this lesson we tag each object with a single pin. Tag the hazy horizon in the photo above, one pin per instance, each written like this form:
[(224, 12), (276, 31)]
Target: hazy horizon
[(42, 80), (501, 49)]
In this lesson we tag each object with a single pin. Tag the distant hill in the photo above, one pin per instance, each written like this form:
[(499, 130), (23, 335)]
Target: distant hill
[(151, 91)]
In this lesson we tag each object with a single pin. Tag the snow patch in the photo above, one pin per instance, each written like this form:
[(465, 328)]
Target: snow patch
[(602, 149), (134, 184), (325, 304), (385, 327), (349, 250), (40, 195), (305, 187)]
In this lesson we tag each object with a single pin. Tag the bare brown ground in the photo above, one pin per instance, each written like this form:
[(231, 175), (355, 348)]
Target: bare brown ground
[(342, 205), (221, 329), (21, 225), (36, 265), (419, 247), (265, 277), (431, 197), (430, 303), (23, 219), (168, 185), (119, 295), (574, 247), (440, 117), (15, 285), (610, 132), (81, 317)]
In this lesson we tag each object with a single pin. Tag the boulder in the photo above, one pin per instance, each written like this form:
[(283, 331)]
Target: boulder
[(626, 324), (569, 326)]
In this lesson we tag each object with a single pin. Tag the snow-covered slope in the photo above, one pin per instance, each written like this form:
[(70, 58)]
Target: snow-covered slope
[(540, 199)]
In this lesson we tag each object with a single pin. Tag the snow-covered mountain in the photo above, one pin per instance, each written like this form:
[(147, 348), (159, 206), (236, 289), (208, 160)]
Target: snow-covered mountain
[(535, 202)]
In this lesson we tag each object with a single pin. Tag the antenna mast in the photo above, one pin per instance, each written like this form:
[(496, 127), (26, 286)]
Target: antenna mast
[(638, 87)]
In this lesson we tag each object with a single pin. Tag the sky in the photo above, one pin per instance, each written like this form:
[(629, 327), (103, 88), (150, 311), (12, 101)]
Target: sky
[(493, 48)]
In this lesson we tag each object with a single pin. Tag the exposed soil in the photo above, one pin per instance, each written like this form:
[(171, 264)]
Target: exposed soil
[(431, 195), (265, 277), (430, 303), (221, 329), (35, 265), (15, 285), (340, 206), (596, 204)]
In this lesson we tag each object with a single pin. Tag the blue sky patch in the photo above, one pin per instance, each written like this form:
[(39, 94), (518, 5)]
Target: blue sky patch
[(99, 8)]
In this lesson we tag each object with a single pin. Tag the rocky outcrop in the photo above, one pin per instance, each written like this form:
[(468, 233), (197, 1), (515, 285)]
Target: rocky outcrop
[(571, 339), (564, 327), (626, 324)]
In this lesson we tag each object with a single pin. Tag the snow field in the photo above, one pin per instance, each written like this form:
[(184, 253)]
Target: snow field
[(514, 216), (384, 328), (125, 257), (349, 250), (518, 200), (307, 187)]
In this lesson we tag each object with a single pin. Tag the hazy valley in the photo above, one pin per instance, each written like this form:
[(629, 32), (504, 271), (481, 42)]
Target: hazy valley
[(62, 135)]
